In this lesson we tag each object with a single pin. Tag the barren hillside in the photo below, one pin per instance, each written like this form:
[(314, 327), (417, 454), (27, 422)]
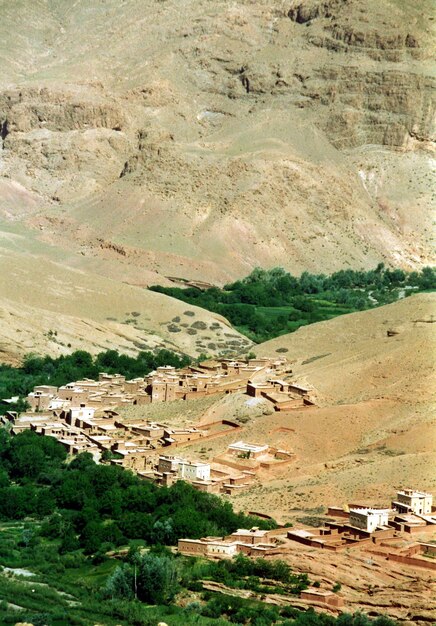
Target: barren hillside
[(351, 358), (375, 428), (204, 140), (48, 308)]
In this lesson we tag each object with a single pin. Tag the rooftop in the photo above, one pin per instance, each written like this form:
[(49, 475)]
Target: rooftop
[(411, 493), (319, 592), (194, 463), (371, 511), (300, 532), (248, 447), (252, 532)]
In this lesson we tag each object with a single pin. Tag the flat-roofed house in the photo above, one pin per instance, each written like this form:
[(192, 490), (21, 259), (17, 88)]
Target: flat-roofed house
[(163, 390), (41, 397), (222, 548), (167, 463), (193, 470), (322, 596), (298, 389), (249, 536), (411, 501), (369, 519), (81, 412), (209, 546), (250, 450)]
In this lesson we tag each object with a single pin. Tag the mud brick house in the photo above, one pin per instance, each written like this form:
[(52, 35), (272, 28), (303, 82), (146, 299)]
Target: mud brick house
[(247, 450), (207, 547), (323, 596), (167, 463), (40, 398), (285, 396), (247, 541)]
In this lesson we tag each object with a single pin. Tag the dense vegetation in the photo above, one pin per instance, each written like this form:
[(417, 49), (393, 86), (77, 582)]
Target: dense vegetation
[(36, 370), (268, 303), (61, 522), (98, 507)]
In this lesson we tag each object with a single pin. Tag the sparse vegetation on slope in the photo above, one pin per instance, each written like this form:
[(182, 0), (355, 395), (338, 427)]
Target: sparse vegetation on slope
[(269, 303)]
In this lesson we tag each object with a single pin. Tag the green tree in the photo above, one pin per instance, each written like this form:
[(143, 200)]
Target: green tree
[(27, 461), (121, 583), (69, 541), (157, 579), (91, 537)]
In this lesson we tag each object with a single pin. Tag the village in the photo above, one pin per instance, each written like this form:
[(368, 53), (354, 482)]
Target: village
[(87, 416), (84, 416)]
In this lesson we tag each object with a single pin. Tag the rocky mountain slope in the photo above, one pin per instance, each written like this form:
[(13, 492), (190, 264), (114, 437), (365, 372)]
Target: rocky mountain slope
[(204, 139), (144, 139)]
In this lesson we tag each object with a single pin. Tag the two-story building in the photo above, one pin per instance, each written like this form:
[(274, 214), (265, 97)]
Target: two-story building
[(188, 470), (369, 519), (411, 501)]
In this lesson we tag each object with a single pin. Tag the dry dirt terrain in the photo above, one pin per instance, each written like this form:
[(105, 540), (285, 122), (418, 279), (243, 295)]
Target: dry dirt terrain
[(371, 584), (48, 308)]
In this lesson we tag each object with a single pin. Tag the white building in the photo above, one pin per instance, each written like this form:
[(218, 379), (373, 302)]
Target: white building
[(251, 450), (82, 412), (411, 501), (193, 470), (369, 519), (187, 470), (222, 548)]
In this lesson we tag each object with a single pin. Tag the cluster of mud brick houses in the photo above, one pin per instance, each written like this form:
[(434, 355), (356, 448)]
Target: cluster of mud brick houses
[(257, 377), (387, 533), (84, 417), (355, 525)]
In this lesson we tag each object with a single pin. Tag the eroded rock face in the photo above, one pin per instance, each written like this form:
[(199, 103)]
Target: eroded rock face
[(226, 136), (303, 11), (26, 110), (62, 142), (375, 107)]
